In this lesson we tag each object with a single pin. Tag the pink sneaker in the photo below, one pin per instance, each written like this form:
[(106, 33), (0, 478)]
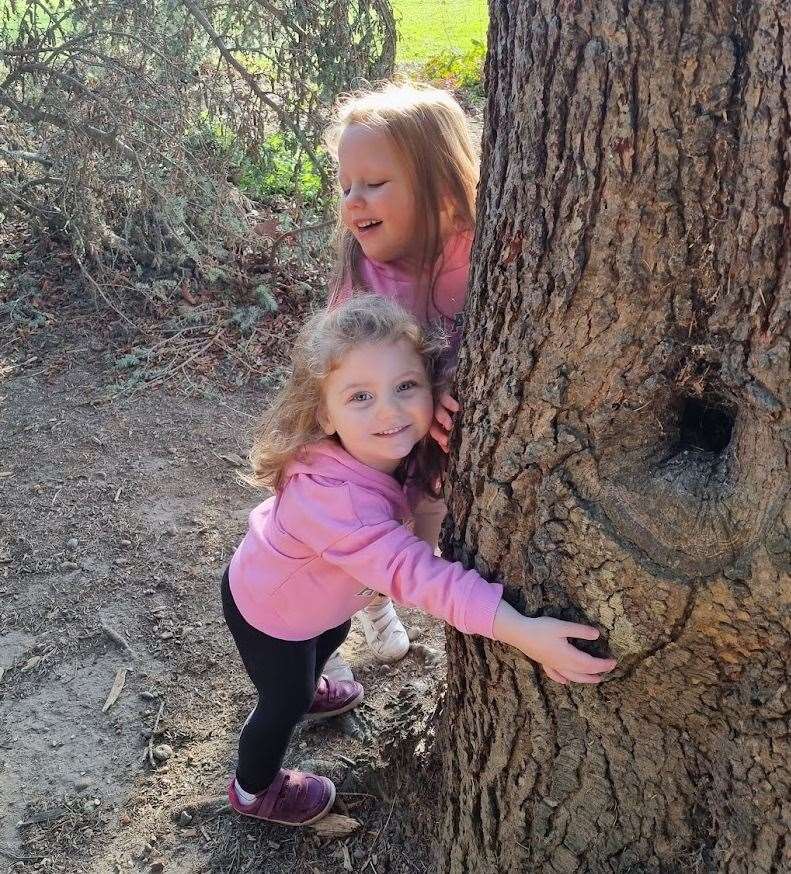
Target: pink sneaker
[(294, 798), (334, 697)]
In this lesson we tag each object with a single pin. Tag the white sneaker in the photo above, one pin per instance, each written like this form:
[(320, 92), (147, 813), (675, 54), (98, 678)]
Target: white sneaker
[(384, 632), (337, 668)]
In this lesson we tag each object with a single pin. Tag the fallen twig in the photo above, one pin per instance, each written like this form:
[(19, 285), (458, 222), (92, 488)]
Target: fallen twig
[(117, 638), (153, 733), (336, 825), (9, 855), (97, 288), (250, 368), (294, 232), (376, 839), (173, 369), (207, 807), (45, 816)]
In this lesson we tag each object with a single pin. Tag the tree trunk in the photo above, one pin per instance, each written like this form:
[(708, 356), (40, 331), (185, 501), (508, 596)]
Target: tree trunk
[(624, 450)]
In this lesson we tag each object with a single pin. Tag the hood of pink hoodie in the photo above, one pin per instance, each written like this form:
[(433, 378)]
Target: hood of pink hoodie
[(327, 458)]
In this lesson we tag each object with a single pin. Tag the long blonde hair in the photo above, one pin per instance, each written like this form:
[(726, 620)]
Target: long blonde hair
[(429, 131), (291, 423)]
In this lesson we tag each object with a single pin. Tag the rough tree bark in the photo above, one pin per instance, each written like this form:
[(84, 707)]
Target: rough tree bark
[(625, 445)]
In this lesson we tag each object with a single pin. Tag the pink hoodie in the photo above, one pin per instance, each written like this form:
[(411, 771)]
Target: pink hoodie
[(334, 536)]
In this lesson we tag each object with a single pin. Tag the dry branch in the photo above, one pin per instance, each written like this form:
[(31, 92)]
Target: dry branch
[(282, 117), (122, 124)]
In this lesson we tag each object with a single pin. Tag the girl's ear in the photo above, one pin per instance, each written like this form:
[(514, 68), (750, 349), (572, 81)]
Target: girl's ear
[(448, 221), (324, 420)]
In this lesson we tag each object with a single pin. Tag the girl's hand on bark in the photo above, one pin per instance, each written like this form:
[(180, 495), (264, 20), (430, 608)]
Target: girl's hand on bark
[(441, 427), (545, 640)]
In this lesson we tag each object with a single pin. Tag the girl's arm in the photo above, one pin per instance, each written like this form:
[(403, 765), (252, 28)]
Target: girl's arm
[(545, 640), (353, 528), (391, 560)]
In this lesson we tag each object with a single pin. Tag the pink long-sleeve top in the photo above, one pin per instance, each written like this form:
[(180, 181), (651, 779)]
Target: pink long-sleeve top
[(332, 538), (443, 302)]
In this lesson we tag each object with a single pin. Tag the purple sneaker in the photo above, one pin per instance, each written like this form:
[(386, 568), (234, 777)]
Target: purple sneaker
[(334, 697), (293, 798)]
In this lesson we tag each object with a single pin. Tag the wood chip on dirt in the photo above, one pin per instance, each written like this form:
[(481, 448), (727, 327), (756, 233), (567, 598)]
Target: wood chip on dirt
[(336, 826), (118, 685)]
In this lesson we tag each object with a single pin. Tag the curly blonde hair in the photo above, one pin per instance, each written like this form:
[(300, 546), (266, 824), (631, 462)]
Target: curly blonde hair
[(291, 423), (429, 131)]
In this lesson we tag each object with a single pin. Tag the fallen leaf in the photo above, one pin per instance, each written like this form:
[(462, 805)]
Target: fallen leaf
[(347, 861), (32, 662), (336, 826), (118, 685)]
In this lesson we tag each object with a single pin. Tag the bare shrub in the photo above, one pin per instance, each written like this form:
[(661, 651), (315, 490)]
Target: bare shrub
[(123, 125)]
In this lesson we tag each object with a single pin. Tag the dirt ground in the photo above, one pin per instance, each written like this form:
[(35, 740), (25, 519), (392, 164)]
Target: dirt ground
[(117, 518)]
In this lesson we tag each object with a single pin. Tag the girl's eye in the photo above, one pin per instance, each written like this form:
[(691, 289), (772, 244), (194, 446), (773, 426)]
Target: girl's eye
[(361, 396), (345, 191), (405, 386)]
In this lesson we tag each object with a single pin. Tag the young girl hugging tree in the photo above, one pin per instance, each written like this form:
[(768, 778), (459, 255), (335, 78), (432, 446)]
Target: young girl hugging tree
[(345, 437)]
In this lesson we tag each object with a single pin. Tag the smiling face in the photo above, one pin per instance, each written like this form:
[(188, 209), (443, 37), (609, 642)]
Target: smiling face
[(378, 202), (378, 401)]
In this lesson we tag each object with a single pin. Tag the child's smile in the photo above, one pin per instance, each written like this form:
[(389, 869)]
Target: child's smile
[(366, 232)]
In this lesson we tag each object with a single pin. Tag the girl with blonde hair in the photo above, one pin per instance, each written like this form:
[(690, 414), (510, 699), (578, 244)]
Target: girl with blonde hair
[(343, 438)]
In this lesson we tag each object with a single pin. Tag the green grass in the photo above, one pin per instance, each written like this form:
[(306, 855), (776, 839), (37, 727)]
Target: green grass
[(431, 27), (40, 16)]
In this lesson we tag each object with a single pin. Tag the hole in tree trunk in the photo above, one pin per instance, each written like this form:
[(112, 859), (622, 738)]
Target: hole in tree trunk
[(705, 425)]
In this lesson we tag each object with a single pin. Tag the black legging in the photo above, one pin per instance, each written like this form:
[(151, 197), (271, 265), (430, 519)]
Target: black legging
[(285, 674)]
